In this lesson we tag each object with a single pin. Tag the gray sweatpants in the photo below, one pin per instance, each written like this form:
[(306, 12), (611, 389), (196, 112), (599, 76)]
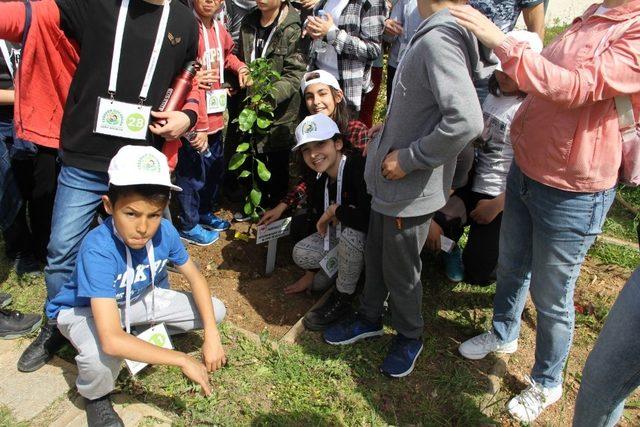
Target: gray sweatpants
[(308, 253), (393, 266), (97, 371)]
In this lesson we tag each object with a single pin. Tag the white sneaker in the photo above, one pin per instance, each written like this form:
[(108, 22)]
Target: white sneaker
[(479, 346), (529, 404)]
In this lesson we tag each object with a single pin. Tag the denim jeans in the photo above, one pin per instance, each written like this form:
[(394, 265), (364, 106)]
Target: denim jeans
[(612, 370), (545, 235), (200, 178), (77, 199), (10, 199)]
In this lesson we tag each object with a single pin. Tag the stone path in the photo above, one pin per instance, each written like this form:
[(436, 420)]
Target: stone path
[(47, 397)]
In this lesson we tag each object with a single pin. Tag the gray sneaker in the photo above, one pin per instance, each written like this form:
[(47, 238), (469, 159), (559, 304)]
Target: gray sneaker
[(479, 346)]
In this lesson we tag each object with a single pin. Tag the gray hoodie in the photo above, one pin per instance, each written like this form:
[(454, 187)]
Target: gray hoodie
[(433, 114)]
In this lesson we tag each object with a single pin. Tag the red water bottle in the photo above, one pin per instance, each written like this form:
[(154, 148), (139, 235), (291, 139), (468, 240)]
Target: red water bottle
[(180, 88)]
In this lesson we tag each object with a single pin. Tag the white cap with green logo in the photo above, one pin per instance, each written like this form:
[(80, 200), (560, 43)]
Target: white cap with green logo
[(140, 165), (318, 127)]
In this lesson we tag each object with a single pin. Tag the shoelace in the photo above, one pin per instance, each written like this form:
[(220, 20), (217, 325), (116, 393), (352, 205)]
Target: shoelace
[(532, 397), (485, 338)]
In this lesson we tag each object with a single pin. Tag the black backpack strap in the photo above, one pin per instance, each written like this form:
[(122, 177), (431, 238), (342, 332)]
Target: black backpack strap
[(27, 22)]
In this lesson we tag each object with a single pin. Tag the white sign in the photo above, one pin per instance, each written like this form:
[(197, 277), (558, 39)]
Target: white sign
[(330, 262), (446, 244), (275, 230), (156, 335)]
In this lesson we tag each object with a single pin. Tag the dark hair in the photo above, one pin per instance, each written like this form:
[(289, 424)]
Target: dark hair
[(494, 87), (155, 193)]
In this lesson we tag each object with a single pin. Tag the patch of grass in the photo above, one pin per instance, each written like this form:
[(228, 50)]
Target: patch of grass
[(7, 419), (551, 33), (615, 254)]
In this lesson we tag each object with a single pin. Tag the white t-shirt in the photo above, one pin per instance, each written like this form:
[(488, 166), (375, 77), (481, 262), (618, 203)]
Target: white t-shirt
[(328, 60), (496, 153)]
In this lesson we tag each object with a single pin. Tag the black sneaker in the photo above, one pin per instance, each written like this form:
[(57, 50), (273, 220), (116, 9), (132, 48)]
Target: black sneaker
[(14, 324), (100, 413), (27, 265), (5, 299), (335, 308), (42, 348)]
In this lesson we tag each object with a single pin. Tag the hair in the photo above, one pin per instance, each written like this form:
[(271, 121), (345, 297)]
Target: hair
[(494, 88), (154, 193)]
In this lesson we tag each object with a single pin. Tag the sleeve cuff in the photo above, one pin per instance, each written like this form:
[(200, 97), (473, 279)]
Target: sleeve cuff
[(405, 158), (332, 34), (503, 50), (193, 117), (340, 213)]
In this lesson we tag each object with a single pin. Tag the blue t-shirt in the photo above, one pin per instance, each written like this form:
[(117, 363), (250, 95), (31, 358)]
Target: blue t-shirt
[(102, 263), (503, 13)]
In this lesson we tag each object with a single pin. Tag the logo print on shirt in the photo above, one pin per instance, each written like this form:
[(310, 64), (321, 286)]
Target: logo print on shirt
[(173, 39)]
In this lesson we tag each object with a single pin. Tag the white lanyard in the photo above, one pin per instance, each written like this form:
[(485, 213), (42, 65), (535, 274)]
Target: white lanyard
[(7, 58), (327, 240), (266, 43), (155, 54), (129, 277), (220, 55)]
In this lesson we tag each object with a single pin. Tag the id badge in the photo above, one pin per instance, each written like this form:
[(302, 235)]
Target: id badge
[(156, 335), (216, 101), (330, 262), (122, 119)]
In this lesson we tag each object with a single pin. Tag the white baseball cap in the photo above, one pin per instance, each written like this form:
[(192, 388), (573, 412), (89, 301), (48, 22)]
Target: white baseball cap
[(317, 127), (324, 77), (136, 165), (525, 36)]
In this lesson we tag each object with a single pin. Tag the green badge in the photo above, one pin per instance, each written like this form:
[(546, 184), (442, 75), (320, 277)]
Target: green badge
[(157, 339), (135, 122)]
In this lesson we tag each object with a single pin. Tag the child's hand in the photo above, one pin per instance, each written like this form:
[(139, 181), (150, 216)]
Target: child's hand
[(197, 373), (213, 353), (391, 167), (244, 78), (392, 27), (273, 214), (486, 211), (433, 238), (327, 218), (201, 142), (318, 26), (373, 131), (169, 124), (206, 78)]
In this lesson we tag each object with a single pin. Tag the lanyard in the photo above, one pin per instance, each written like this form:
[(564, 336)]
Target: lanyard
[(266, 43), (207, 58), (155, 54), (7, 58), (129, 277), (343, 160)]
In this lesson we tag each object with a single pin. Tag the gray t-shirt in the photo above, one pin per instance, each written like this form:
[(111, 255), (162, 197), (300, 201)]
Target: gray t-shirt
[(495, 152), (503, 13)]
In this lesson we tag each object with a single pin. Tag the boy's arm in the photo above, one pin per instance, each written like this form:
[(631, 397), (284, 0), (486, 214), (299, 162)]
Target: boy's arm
[(7, 96), (447, 70), (117, 343), (292, 71), (367, 44), (212, 351)]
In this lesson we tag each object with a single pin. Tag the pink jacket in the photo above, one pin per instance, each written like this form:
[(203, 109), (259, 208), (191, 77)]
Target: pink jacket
[(212, 123), (565, 134)]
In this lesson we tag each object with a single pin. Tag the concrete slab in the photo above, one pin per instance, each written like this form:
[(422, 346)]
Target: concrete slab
[(18, 390)]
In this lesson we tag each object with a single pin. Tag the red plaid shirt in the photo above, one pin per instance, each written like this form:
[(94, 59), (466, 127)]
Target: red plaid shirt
[(356, 136)]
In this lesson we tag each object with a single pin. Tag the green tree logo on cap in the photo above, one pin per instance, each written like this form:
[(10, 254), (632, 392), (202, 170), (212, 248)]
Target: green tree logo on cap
[(309, 127), (149, 163), (135, 122)]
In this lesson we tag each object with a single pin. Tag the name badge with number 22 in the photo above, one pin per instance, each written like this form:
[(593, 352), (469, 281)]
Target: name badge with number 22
[(122, 119)]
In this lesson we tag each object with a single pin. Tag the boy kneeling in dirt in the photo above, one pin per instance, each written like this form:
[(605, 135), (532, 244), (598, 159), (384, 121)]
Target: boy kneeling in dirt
[(112, 287)]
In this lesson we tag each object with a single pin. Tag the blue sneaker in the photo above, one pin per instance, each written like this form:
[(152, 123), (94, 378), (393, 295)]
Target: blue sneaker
[(214, 222), (352, 330), (402, 356), (453, 267), (199, 236)]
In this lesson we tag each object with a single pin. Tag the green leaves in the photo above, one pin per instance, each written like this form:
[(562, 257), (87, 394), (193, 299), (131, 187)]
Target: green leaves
[(236, 161), (263, 172), (246, 119), (244, 174), (255, 196), (242, 147)]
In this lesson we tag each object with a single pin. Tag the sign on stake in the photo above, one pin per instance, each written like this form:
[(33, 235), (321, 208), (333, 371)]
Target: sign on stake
[(271, 233)]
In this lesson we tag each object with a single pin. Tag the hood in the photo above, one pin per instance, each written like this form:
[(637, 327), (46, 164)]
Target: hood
[(483, 61)]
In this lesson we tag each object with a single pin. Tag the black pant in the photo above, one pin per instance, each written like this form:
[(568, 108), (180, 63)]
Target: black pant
[(37, 179), (391, 72), (276, 188), (480, 255)]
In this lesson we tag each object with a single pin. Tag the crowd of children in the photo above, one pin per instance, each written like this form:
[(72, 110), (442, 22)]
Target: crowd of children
[(482, 129)]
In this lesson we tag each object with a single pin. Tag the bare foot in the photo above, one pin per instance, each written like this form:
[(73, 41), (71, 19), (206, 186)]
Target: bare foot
[(302, 284)]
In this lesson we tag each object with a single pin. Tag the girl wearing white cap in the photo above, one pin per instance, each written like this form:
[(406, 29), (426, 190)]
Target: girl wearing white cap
[(339, 207), (322, 95)]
